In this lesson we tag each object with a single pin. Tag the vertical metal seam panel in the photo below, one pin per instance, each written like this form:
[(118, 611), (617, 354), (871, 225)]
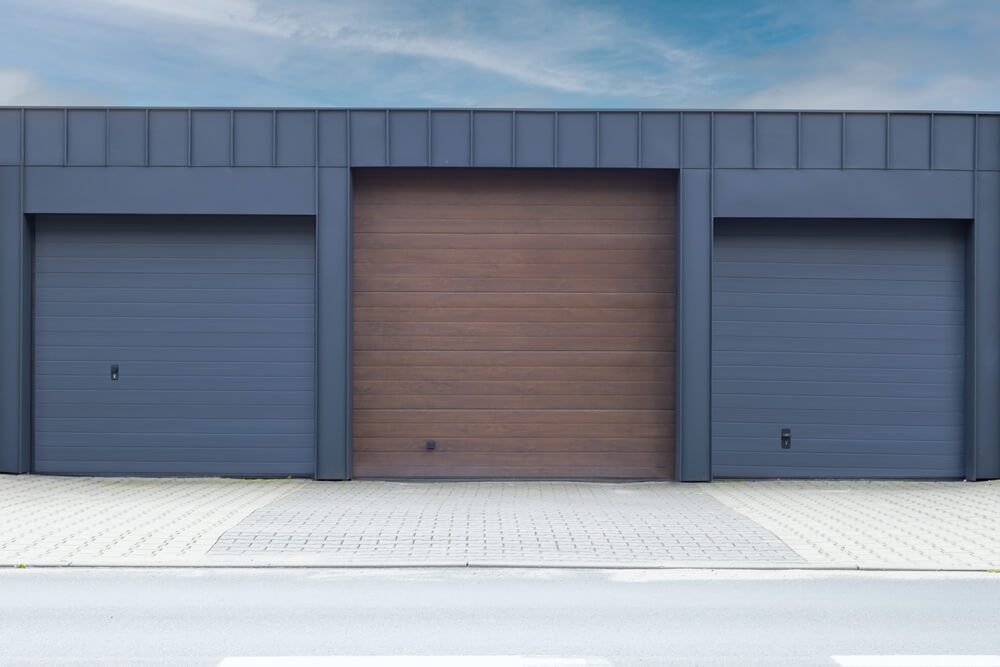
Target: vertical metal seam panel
[(555, 140), (597, 139), (975, 153), (753, 141), (386, 130), (190, 138), (472, 138), (429, 130), (146, 133), (680, 140), (843, 140), (638, 141), (798, 140), (274, 138), (930, 152), (975, 144), (107, 137), (888, 140), (65, 154), (513, 138), (232, 137)]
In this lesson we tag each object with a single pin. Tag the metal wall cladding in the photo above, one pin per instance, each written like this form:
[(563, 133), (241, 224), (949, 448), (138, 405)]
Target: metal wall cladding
[(210, 324), (822, 141), (44, 137), (211, 139), (451, 138), (851, 335), (777, 145), (127, 145), (729, 142), (492, 139), (10, 136), (735, 163), (407, 138), (253, 135), (535, 139), (86, 135), (168, 142), (488, 138), (295, 139)]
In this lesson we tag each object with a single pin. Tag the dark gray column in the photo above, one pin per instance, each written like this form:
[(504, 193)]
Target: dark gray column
[(983, 449), (14, 325), (333, 325), (694, 330)]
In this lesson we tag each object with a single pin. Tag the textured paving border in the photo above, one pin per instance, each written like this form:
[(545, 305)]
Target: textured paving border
[(876, 524), (123, 520)]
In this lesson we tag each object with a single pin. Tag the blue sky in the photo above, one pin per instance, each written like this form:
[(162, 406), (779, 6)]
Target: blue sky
[(878, 54)]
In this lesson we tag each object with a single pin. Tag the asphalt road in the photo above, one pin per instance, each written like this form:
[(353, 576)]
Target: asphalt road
[(626, 617)]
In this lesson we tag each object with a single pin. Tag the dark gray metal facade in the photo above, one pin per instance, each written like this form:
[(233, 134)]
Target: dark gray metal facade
[(174, 345), (750, 165), (851, 336)]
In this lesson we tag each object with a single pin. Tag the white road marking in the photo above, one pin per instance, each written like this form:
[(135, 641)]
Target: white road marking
[(413, 661), (917, 660)]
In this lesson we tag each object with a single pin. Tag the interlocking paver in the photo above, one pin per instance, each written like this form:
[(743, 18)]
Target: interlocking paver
[(537, 522), (875, 523), (130, 521), (53, 520)]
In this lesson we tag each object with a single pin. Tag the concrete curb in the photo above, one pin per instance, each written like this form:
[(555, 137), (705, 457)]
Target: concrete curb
[(486, 565)]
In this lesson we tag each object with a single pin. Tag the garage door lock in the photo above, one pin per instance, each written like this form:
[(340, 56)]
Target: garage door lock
[(431, 444), (114, 371), (786, 438)]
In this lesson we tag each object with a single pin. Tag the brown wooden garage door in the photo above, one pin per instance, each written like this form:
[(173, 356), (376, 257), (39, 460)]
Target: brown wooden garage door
[(522, 320)]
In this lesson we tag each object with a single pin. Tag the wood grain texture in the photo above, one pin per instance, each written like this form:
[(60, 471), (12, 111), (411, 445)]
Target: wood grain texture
[(523, 320)]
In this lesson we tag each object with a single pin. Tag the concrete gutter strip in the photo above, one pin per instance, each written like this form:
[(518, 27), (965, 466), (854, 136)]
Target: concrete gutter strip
[(277, 565)]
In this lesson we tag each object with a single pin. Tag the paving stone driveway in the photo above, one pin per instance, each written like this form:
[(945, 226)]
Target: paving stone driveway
[(502, 523), (221, 522)]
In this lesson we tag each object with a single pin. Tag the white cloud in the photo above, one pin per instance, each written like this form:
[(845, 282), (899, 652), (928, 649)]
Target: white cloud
[(546, 45), (224, 14), (22, 87), (884, 55), (887, 54), (864, 84)]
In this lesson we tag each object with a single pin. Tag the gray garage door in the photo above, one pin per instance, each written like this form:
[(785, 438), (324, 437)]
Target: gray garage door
[(209, 322), (850, 335)]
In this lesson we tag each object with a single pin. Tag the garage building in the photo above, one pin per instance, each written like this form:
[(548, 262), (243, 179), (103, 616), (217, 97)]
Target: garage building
[(445, 294)]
